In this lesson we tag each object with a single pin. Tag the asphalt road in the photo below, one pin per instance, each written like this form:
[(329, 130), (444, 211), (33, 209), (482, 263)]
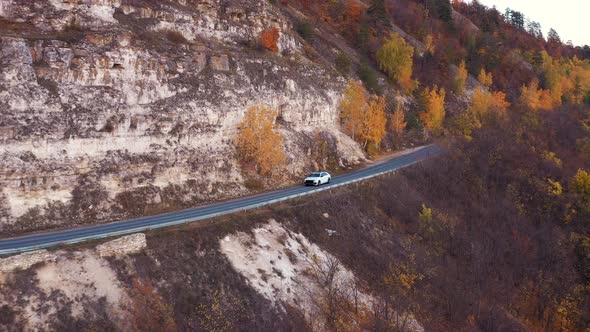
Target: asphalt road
[(49, 239)]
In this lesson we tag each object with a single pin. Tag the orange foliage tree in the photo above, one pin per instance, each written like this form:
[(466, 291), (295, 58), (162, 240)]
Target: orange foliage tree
[(530, 96), (270, 39), (363, 121), (432, 102), (484, 102), (148, 310), (259, 142), (352, 108), (374, 121), (534, 98), (353, 14)]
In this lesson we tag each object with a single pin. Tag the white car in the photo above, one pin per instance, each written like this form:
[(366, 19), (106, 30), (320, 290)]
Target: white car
[(317, 178)]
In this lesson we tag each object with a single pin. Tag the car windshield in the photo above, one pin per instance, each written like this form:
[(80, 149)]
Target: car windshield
[(314, 175)]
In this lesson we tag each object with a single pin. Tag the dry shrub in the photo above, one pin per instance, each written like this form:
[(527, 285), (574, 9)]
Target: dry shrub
[(270, 39), (175, 37)]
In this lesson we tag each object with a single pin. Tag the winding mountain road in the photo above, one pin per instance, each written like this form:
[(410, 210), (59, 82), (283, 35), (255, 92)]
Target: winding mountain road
[(49, 239)]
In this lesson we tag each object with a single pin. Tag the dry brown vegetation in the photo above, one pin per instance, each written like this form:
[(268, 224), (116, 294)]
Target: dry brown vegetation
[(464, 244), (270, 39)]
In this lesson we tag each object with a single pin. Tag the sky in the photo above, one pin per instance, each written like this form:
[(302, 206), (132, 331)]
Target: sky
[(568, 17)]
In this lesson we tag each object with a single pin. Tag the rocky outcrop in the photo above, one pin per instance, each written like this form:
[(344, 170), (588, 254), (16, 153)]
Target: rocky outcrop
[(25, 261), (122, 246), (117, 108)]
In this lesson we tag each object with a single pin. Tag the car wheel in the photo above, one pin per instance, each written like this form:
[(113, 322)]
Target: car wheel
[(329, 180)]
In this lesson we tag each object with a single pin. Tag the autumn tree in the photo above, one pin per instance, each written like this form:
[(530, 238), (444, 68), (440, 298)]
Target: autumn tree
[(580, 184), (374, 121), (399, 285), (429, 44), (270, 39), (530, 96), (363, 121), (486, 79), (352, 109), (395, 58), (578, 75), (258, 140), (485, 102), (432, 102), (563, 81), (397, 122), (148, 310), (460, 79), (484, 105), (426, 222), (352, 15), (551, 77)]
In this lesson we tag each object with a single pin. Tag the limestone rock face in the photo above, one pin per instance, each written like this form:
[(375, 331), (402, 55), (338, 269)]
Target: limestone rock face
[(25, 261), (118, 108), (124, 245)]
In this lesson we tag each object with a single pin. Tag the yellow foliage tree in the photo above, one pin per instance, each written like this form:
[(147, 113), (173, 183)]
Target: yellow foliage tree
[(460, 79), (579, 80), (429, 44), (565, 79), (258, 140), (364, 122), (433, 108), (530, 96), (397, 123), (581, 183), (352, 108), (484, 102), (374, 121), (486, 79), (546, 102), (552, 78), (395, 58)]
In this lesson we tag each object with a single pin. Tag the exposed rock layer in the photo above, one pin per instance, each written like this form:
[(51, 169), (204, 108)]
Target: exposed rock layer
[(116, 108), (25, 261), (124, 245)]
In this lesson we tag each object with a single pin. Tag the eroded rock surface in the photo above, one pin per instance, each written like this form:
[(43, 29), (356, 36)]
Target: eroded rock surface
[(124, 245), (118, 108)]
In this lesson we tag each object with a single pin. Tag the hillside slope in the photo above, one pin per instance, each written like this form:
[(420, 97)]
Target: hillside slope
[(112, 109), (107, 102)]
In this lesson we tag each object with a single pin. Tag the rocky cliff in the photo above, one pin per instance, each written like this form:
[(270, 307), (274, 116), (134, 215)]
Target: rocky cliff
[(117, 108)]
